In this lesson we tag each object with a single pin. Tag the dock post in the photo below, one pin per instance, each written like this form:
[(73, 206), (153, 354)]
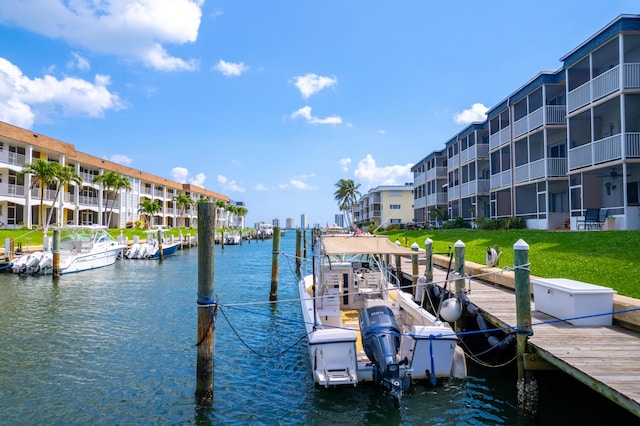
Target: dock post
[(273, 294), (160, 243), (8, 249), (56, 253), (459, 265), (304, 243), (414, 268), (428, 252), (527, 385), (398, 263), (207, 308), (298, 250)]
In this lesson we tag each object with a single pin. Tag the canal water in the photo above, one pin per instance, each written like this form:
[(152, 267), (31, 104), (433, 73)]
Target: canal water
[(117, 346)]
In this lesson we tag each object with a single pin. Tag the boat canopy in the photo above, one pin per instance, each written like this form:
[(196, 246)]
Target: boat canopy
[(336, 245)]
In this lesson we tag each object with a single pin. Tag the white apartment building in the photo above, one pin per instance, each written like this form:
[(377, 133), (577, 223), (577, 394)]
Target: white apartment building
[(85, 203), (386, 205)]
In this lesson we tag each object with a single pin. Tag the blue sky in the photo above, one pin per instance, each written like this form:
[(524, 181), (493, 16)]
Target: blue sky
[(272, 103)]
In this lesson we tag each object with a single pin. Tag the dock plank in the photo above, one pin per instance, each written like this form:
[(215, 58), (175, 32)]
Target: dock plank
[(607, 358)]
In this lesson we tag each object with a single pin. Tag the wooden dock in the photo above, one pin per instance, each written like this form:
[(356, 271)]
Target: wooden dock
[(606, 359)]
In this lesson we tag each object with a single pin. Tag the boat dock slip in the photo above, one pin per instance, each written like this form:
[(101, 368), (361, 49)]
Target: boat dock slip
[(604, 358)]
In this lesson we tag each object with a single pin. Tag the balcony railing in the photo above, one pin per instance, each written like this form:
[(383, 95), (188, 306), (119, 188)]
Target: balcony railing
[(12, 190), (500, 180), (475, 187), (500, 138), (604, 150), (436, 172), (48, 194), (603, 85), (475, 152), (12, 158), (453, 162), (87, 201), (453, 193), (536, 169), (439, 198), (555, 114)]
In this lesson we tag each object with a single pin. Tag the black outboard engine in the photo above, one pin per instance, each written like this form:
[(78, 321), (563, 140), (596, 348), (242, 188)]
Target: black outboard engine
[(381, 341)]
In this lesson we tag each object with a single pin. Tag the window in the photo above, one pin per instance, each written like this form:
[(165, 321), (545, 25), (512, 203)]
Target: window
[(394, 206)]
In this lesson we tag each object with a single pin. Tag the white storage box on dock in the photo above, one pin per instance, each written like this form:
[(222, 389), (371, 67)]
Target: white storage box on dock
[(564, 299)]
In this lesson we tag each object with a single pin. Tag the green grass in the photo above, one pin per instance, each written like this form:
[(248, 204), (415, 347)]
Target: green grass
[(610, 259)]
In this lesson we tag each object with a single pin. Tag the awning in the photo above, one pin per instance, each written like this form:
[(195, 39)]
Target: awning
[(339, 244)]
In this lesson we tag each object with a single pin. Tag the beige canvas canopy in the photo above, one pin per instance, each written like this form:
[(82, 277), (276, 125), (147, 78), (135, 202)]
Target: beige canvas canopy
[(339, 244)]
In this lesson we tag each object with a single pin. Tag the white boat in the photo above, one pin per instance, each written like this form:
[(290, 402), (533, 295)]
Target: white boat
[(362, 328), (81, 248), (150, 249), (232, 239)]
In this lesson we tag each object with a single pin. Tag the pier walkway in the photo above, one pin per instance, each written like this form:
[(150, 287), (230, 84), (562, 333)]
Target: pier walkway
[(604, 358)]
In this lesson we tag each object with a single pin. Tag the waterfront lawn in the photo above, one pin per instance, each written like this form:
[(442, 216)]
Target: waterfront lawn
[(606, 258)]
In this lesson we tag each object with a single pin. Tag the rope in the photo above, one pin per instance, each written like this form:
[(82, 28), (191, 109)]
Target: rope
[(432, 376)]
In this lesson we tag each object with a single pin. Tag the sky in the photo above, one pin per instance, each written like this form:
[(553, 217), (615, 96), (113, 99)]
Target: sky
[(271, 103)]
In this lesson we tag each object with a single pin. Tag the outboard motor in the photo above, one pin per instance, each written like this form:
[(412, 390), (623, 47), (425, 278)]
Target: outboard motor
[(381, 341)]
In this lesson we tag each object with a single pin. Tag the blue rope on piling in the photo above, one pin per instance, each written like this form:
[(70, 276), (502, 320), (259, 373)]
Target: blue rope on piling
[(432, 376)]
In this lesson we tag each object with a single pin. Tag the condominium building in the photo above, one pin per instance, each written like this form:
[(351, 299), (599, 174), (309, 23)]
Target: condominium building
[(386, 205), (565, 141), (89, 202)]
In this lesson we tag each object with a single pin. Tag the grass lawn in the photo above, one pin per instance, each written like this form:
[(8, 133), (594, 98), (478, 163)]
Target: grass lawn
[(606, 258)]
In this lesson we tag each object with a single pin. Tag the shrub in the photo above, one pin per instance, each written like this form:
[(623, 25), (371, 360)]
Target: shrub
[(456, 223)]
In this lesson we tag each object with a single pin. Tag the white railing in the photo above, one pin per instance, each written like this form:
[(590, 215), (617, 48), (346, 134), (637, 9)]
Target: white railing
[(13, 189), (633, 145), (436, 172), (579, 97), (499, 138), (556, 114), (438, 198), (600, 151), (453, 162), (473, 153), (454, 193), (419, 179), (12, 158), (631, 76), (557, 167), (500, 180), (88, 201), (606, 83), (419, 203)]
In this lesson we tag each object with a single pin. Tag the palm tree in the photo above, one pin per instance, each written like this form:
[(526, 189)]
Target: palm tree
[(112, 182), (220, 205), (149, 208), (241, 211), (183, 201), (347, 196), (43, 174), (64, 175)]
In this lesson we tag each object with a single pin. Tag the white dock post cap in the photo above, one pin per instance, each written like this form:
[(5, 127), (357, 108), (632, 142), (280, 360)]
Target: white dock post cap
[(428, 241), (521, 245), (415, 246), (458, 244)]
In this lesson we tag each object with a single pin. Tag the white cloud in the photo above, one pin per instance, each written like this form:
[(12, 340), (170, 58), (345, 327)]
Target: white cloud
[(310, 84), (298, 182), (231, 69), (24, 101), (344, 164), (181, 175), (476, 113), (121, 159), (79, 62), (135, 30), (261, 187), (229, 185), (370, 175), (305, 113)]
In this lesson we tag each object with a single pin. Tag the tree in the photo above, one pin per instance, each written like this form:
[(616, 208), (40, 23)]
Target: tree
[(149, 208), (347, 196), (241, 211), (64, 176), (183, 201), (112, 182), (45, 174), (220, 205)]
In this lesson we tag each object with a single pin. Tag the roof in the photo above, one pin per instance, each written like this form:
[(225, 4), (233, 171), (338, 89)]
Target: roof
[(372, 244)]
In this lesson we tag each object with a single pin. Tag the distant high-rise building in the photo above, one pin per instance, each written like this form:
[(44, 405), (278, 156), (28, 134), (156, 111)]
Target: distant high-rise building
[(339, 220), (303, 221), (276, 223), (291, 224)]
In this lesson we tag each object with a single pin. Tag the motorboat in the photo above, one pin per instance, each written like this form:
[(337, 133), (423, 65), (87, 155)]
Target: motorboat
[(362, 327), (150, 249), (232, 239), (81, 248)]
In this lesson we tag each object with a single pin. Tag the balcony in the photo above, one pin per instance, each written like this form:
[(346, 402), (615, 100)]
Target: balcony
[(12, 190), (547, 115), (475, 187), (555, 167), (500, 138), (612, 148), (453, 162), (437, 199), (475, 152), (501, 180), (603, 85), (436, 172), (87, 201), (12, 158)]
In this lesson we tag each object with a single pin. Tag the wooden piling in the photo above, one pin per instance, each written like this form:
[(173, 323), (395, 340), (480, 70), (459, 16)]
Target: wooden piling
[(207, 308), (56, 253), (459, 266), (304, 243), (273, 293), (527, 386), (428, 252), (160, 243), (298, 250), (414, 268)]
